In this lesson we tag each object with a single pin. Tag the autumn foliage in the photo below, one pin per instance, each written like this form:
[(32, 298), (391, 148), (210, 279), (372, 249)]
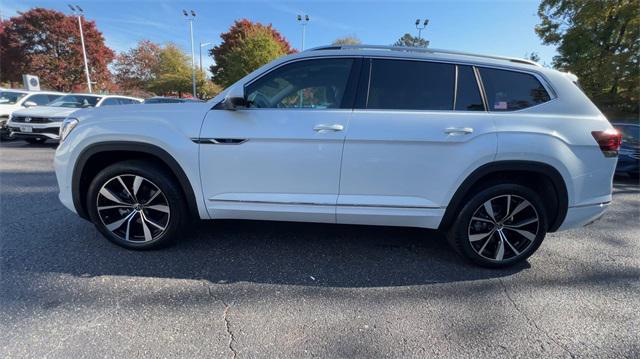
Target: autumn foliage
[(47, 43), (244, 48)]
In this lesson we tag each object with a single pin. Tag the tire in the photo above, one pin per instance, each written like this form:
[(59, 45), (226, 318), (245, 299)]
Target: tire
[(136, 216), (35, 140), (500, 239)]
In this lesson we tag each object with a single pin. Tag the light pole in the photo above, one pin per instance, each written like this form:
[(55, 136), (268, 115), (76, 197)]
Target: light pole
[(203, 44), (77, 11), (421, 27), (190, 16), (303, 21)]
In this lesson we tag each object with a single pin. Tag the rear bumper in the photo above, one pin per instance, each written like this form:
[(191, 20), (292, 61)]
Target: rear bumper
[(582, 215)]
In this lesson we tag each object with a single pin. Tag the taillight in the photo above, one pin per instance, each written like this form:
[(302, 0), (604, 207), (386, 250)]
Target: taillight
[(609, 141)]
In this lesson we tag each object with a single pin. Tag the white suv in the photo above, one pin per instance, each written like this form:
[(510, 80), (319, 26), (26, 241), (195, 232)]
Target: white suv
[(38, 124), (495, 151)]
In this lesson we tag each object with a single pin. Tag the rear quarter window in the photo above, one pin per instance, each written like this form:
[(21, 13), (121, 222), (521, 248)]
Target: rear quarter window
[(509, 90)]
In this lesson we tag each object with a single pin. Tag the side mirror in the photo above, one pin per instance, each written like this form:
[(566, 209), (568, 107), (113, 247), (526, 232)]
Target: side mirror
[(234, 99), (30, 104)]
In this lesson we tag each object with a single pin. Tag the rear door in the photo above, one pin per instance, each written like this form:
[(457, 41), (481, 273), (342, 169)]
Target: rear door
[(418, 130)]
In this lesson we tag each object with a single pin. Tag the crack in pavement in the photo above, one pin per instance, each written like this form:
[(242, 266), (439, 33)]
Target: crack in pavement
[(532, 322), (227, 324)]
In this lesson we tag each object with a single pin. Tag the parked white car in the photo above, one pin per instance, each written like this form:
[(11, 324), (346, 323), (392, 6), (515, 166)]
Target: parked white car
[(495, 151), (38, 124), (12, 100)]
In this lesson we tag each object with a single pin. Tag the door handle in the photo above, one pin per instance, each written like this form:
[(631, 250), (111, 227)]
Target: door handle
[(325, 128), (457, 131)]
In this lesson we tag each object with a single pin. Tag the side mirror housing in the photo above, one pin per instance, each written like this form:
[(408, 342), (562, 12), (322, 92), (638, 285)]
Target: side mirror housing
[(235, 99), (30, 104)]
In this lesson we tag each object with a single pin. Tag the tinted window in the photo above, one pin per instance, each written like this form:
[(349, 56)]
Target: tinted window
[(39, 99), (411, 85), (54, 97), (509, 90), (10, 97), (315, 84), (468, 95), (76, 101), (110, 102)]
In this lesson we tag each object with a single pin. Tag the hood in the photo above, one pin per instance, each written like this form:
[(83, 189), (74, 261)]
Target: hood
[(46, 111), (6, 109)]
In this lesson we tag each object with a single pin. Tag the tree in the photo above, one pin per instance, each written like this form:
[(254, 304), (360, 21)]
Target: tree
[(244, 48), (135, 69), (407, 40), (533, 56), (172, 72), (598, 41), (47, 43), (347, 40)]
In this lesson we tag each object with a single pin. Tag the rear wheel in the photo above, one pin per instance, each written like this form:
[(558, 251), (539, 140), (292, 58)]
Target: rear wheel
[(136, 205), (500, 226)]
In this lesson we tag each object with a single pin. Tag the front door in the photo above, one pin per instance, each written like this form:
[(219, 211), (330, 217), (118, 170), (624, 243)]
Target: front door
[(279, 159)]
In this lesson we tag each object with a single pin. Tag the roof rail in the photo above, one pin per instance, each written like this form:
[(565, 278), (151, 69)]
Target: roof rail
[(421, 50)]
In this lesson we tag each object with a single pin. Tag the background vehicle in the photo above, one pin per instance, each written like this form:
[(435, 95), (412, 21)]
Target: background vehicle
[(629, 158), (12, 100), (154, 100), (495, 151), (36, 125)]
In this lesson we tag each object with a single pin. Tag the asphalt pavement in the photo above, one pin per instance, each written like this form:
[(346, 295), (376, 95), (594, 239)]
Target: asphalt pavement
[(248, 289)]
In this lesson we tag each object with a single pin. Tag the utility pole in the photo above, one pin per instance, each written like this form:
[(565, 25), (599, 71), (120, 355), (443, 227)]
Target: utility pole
[(421, 27), (303, 21), (77, 11), (193, 55), (203, 44)]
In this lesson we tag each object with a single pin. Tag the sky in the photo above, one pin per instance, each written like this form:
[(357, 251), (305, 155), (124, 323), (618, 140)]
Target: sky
[(489, 27)]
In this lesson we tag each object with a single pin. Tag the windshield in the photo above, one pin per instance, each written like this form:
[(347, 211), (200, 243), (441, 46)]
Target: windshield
[(10, 97), (630, 134), (75, 101)]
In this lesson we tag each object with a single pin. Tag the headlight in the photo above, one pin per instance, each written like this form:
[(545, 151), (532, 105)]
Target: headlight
[(67, 125)]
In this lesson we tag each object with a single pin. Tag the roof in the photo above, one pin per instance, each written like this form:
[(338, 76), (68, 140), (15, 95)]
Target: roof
[(421, 53)]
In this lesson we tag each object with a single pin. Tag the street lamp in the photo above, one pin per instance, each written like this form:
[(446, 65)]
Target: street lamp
[(303, 21), (77, 11), (190, 16), (203, 44), (421, 27)]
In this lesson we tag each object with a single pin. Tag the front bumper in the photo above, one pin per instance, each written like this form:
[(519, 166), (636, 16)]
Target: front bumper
[(25, 130)]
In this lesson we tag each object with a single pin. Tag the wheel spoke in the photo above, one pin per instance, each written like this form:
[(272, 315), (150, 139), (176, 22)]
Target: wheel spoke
[(155, 194), (526, 234), (137, 181), (115, 225), (481, 219), (489, 209), (102, 208), (126, 237), (159, 207), (125, 187), (145, 229), (111, 197), (506, 240), (485, 244), (508, 207), (518, 209), (145, 219), (522, 224), (479, 236), (500, 251)]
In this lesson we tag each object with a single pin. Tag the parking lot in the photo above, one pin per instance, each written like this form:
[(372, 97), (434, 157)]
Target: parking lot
[(259, 289)]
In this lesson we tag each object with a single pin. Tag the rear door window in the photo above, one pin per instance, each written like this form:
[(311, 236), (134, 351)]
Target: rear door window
[(410, 85), (509, 90)]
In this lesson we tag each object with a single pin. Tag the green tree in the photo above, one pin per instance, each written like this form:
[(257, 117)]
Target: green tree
[(347, 40), (172, 73), (598, 41), (407, 40), (244, 48)]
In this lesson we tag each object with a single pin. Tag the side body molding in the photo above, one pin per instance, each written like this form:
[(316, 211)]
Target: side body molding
[(109, 146)]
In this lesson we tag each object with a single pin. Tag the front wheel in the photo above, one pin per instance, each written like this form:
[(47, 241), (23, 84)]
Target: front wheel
[(136, 204), (500, 226)]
